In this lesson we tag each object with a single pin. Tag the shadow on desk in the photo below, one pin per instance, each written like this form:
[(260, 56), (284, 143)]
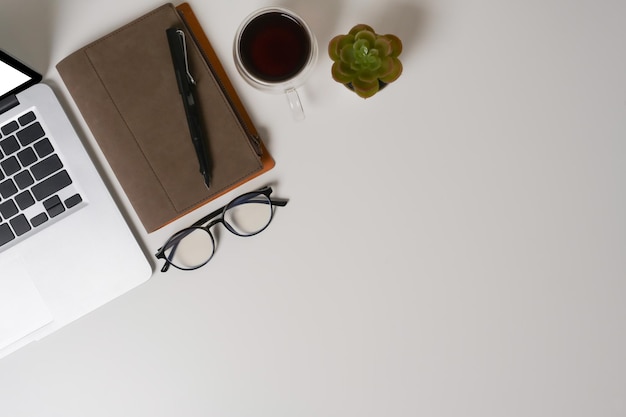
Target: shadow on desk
[(26, 31)]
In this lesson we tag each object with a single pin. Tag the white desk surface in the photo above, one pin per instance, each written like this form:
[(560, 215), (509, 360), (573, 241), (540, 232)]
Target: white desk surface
[(454, 246)]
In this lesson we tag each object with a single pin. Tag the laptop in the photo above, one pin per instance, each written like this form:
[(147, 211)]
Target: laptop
[(65, 248)]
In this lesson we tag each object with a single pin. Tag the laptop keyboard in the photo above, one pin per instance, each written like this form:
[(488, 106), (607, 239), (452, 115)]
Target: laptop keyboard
[(35, 187)]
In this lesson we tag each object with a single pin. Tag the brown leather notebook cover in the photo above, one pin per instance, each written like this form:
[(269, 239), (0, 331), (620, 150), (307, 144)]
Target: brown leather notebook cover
[(125, 88)]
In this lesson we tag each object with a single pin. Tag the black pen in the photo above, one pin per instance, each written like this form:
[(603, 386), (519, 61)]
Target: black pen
[(186, 83)]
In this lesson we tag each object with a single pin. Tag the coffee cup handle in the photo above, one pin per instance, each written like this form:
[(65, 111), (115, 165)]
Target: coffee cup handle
[(295, 104)]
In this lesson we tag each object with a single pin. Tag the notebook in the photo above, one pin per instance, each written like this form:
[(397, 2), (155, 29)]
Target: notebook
[(125, 87), (65, 248)]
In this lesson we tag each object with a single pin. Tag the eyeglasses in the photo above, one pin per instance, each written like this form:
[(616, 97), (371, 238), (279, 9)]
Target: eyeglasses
[(247, 215)]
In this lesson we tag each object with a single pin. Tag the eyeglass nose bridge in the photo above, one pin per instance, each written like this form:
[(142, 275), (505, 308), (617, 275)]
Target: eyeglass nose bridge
[(214, 222), (215, 234)]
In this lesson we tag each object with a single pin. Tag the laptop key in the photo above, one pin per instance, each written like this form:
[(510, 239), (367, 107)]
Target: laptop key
[(10, 166), (39, 219), (43, 147), (9, 128), (6, 234), (10, 145), (27, 157), (51, 185), (73, 200), (46, 167), (23, 179), (30, 134), (7, 188), (27, 118), (8, 209), (54, 206), (24, 200), (20, 225)]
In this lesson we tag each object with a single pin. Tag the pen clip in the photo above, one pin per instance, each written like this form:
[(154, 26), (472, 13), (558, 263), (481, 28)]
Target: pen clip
[(184, 43)]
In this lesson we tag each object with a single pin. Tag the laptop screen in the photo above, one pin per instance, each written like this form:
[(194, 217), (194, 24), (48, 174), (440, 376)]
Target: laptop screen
[(15, 76)]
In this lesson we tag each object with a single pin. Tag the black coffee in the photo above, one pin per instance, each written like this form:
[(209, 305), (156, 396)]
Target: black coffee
[(274, 47)]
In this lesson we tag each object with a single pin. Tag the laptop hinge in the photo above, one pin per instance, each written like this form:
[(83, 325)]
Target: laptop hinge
[(8, 103)]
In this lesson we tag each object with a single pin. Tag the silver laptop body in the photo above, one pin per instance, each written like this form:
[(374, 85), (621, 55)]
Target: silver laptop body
[(65, 249)]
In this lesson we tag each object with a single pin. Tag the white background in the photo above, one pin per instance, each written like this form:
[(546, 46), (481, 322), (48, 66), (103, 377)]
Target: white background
[(454, 246)]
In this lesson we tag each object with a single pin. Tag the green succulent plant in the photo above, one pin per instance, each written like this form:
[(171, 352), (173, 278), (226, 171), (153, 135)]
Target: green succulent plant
[(364, 60)]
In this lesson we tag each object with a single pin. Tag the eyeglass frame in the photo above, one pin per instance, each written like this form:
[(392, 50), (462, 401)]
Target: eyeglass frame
[(211, 221)]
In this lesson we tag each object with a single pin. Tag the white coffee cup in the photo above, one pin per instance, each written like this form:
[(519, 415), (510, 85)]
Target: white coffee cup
[(275, 51)]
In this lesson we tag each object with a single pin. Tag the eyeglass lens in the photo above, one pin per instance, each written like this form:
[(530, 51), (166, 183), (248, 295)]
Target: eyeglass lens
[(190, 248), (245, 216), (248, 215)]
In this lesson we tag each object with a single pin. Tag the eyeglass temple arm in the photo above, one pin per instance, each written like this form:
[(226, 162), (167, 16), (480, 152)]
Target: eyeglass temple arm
[(166, 265), (161, 255), (280, 202)]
